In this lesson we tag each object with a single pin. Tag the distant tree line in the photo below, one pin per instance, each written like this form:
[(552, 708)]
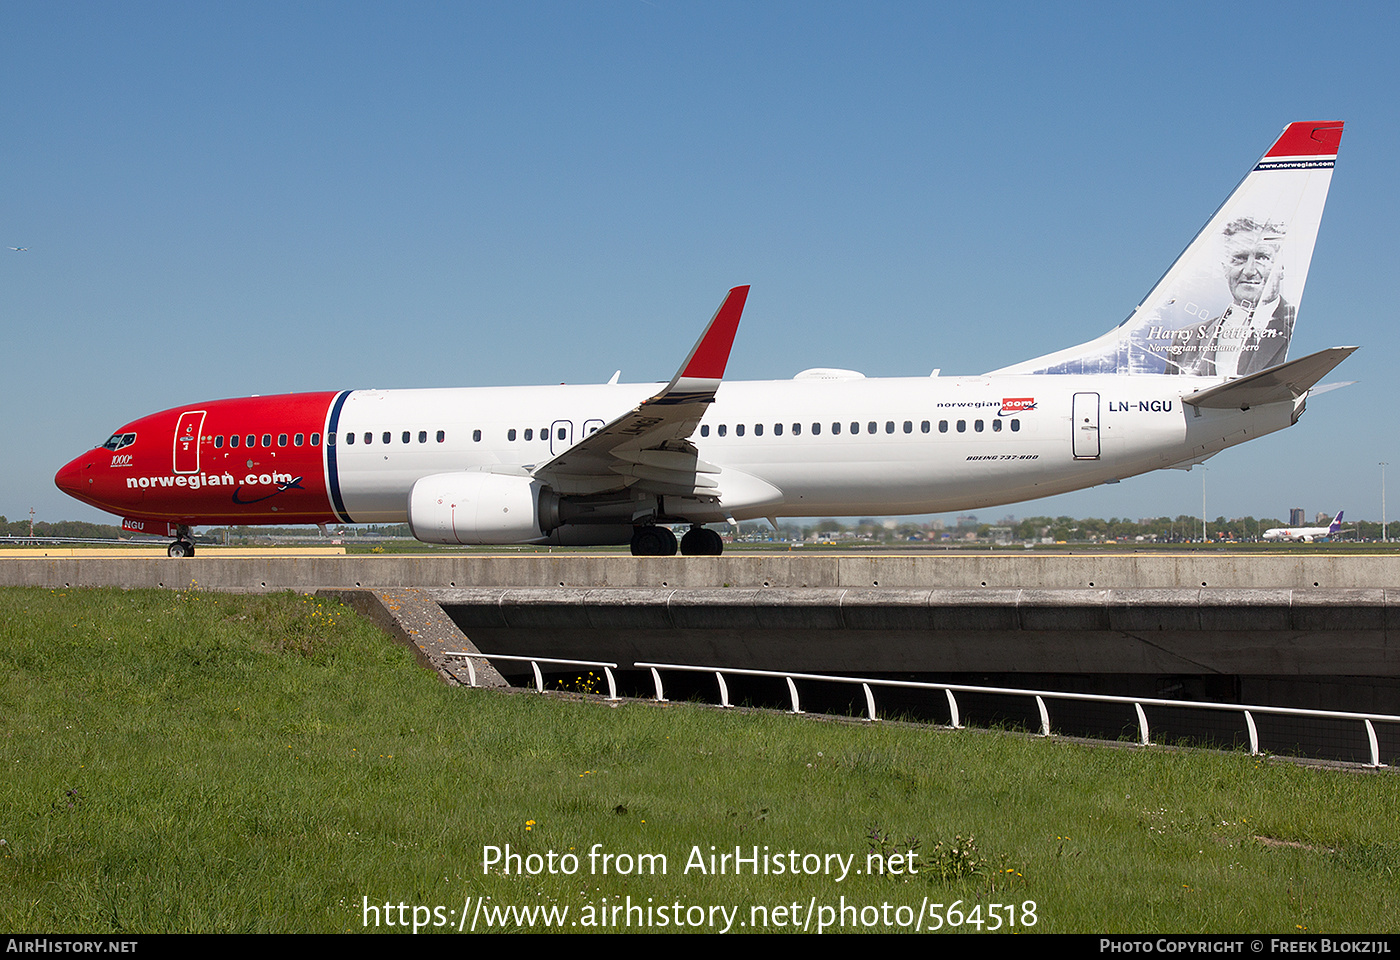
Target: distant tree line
[(1031, 529), (1054, 529), (74, 529)]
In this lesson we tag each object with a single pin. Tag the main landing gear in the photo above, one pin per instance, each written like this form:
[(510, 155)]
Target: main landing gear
[(701, 542), (184, 545), (654, 541)]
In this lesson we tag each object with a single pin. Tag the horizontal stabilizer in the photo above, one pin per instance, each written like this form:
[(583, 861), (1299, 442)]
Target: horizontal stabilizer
[(1285, 382), (1329, 387)]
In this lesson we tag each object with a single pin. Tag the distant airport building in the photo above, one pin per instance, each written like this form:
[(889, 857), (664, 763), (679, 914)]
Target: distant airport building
[(1295, 517)]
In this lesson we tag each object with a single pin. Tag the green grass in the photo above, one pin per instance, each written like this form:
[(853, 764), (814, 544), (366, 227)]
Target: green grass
[(187, 761)]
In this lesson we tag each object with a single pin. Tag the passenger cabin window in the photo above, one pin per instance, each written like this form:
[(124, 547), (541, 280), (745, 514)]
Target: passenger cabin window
[(872, 426), (758, 429), (563, 434), (816, 429), (219, 442), (441, 436), (407, 437), (281, 439), (777, 429), (943, 426), (977, 425), (316, 439), (797, 429), (369, 437), (738, 429), (835, 429), (889, 426), (298, 439), (250, 441), (1015, 426), (722, 429), (233, 440), (330, 439), (962, 426), (704, 429), (423, 436), (529, 433), (267, 439), (476, 436), (996, 426), (510, 434), (923, 427)]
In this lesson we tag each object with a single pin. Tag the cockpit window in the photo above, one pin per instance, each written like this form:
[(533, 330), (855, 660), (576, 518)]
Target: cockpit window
[(119, 440)]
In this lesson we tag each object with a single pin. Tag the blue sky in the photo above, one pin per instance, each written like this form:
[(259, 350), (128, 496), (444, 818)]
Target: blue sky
[(222, 199)]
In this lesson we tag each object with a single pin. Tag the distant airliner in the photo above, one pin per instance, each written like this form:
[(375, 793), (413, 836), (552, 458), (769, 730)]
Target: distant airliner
[(1305, 534), (1199, 365)]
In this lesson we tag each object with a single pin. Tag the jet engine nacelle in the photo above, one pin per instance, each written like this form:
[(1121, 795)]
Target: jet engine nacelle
[(473, 508)]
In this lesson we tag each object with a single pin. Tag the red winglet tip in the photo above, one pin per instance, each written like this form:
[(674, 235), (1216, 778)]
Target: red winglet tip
[(711, 354)]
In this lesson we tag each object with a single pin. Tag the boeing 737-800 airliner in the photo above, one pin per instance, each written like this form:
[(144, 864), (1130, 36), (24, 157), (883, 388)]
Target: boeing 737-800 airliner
[(1199, 366)]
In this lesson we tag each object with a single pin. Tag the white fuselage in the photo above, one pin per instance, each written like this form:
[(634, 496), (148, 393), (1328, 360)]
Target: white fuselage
[(1297, 534), (937, 443)]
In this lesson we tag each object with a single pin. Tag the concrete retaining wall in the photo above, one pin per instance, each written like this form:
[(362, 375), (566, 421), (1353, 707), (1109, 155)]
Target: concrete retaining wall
[(1310, 633), (1285, 614), (787, 570)]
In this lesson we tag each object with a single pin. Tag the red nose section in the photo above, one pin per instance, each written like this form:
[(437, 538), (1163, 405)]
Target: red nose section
[(76, 480), (70, 478)]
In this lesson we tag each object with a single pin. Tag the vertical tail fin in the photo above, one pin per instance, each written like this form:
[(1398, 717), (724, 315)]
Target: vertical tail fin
[(1336, 524), (1226, 307)]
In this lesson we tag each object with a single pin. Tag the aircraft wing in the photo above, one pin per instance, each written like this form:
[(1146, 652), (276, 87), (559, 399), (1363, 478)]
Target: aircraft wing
[(648, 447), (1287, 381)]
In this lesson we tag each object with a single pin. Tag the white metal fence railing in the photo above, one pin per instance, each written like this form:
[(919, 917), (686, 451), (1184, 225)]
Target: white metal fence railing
[(867, 684), (534, 663)]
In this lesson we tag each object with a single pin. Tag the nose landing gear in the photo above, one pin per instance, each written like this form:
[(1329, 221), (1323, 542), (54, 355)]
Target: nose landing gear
[(184, 545)]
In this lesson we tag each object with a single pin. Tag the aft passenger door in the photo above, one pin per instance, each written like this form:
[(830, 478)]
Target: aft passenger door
[(1085, 424)]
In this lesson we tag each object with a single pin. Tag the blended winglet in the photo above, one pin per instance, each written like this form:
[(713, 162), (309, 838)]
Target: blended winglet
[(650, 441), (703, 368)]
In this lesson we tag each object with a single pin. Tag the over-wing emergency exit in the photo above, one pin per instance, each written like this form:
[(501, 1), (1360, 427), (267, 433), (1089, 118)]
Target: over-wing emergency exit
[(1200, 365)]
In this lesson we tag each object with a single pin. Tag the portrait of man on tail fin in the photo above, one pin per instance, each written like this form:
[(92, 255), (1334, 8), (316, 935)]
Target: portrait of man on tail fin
[(1253, 332)]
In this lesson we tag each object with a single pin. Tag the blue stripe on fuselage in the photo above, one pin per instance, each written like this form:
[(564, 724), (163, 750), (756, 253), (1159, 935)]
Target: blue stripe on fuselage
[(332, 471)]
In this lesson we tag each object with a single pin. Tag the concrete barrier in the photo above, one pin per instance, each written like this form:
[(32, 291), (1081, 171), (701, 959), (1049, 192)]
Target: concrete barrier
[(1287, 614), (1282, 571)]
